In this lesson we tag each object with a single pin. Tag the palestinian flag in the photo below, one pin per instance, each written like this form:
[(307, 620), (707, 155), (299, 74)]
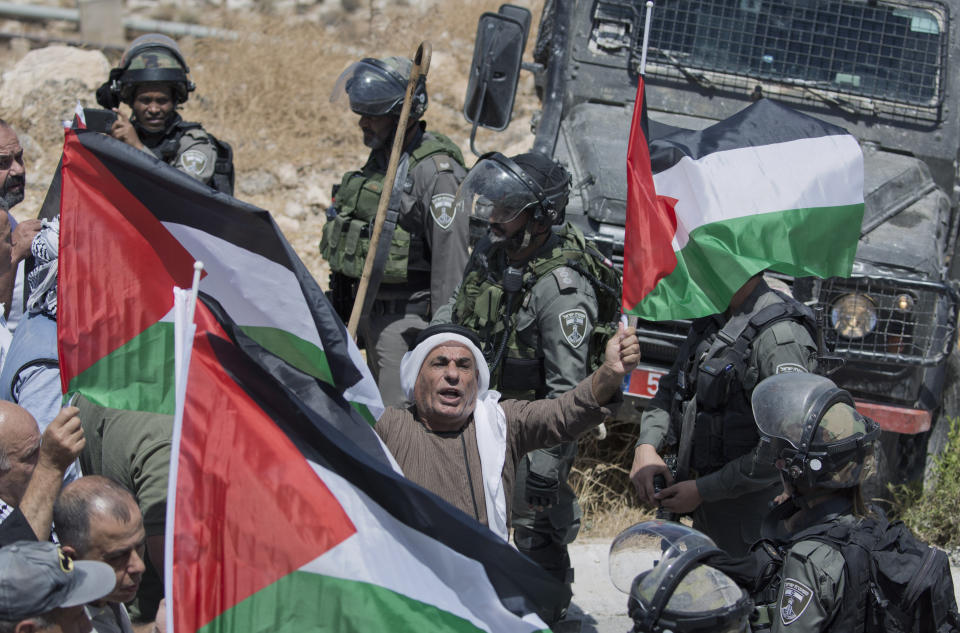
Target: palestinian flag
[(280, 525), (131, 229), (768, 188)]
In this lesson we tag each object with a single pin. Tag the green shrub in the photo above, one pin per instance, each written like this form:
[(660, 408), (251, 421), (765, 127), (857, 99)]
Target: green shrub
[(932, 513)]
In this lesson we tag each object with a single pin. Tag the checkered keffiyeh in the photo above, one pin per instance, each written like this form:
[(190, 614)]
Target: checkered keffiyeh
[(42, 280)]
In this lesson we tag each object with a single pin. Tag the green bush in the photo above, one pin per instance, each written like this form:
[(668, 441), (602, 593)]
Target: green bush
[(931, 512)]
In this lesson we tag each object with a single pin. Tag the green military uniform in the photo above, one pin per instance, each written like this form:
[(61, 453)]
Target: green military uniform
[(550, 324), (735, 488), (186, 146), (811, 587), (429, 249)]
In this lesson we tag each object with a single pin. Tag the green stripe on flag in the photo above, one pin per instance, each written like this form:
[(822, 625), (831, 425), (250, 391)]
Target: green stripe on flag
[(136, 376), (303, 601), (720, 257), (303, 355)]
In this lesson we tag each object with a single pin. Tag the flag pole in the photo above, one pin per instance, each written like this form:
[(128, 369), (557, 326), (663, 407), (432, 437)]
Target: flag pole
[(184, 329), (646, 39)]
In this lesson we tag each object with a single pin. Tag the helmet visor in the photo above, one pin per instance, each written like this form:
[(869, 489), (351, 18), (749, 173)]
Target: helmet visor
[(370, 88), (782, 404), (494, 193)]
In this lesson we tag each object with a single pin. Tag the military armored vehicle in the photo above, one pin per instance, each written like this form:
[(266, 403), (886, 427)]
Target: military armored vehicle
[(886, 71)]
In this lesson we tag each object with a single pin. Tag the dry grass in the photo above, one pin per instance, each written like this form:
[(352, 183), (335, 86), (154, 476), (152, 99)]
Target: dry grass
[(601, 479)]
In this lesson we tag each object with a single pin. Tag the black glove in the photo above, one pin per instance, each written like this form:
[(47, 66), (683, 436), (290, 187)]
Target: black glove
[(541, 491)]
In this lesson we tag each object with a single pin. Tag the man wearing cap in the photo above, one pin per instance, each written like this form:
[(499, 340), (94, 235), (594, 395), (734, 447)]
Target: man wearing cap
[(97, 519), (429, 244), (458, 441), (42, 589), (32, 469)]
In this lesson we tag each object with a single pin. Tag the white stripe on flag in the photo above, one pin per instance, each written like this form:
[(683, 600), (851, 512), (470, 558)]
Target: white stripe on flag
[(254, 291), (387, 553), (807, 173)]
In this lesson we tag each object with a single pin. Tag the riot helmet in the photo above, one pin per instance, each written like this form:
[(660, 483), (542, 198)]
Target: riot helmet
[(376, 87), (812, 430), (498, 189), (151, 58), (680, 593)]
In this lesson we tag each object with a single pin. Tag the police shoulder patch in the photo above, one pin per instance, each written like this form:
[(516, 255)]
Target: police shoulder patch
[(442, 209), (794, 600), (566, 279), (574, 325), (193, 161), (791, 368)]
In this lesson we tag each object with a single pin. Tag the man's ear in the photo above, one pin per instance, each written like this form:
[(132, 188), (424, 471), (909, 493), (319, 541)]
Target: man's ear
[(26, 626), (70, 551)]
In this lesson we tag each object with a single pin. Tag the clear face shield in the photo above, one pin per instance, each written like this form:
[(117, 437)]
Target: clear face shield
[(813, 428), (496, 191), (680, 592), (369, 87)]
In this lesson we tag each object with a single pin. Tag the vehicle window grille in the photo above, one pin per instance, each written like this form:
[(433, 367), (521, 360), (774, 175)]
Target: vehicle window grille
[(921, 333), (882, 59)]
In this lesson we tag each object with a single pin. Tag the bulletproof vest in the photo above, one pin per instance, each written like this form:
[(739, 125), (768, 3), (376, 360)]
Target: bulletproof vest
[(346, 237), (717, 372), (34, 343), (485, 307), (895, 583), (168, 150)]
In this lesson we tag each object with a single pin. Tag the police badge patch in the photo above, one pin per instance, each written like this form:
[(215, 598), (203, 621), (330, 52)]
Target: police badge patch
[(441, 208), (574, 324), (796, 597), (193, 162), (791, 368)]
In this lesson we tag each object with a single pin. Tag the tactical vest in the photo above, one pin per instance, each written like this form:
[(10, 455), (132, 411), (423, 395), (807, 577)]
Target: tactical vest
[(34, 343), (895, 583), (168, 150), (724, 428), (346, 237), (482, 304)]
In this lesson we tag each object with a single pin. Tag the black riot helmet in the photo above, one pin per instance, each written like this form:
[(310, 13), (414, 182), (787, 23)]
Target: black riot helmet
[(812, 425), (498, 189), (376, 87), (680, 594), (151, 58)]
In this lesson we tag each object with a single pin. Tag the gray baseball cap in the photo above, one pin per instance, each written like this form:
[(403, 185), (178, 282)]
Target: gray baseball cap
[(36, 578)]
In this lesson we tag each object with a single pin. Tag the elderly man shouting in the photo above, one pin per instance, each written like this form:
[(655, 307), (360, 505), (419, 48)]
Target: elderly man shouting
[(459, 442)]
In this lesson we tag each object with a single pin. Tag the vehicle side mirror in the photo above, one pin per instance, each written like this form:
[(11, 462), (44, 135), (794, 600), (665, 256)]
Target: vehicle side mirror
[(495, 70)]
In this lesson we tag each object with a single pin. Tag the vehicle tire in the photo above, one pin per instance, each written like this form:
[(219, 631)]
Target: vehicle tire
[(949, 409), (541, 48)]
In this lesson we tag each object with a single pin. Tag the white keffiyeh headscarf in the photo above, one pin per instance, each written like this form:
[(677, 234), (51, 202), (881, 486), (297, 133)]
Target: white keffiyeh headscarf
[(488, 417), (42, 280)]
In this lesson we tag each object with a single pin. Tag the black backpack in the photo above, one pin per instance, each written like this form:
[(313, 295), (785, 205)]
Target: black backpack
[(895, 582)]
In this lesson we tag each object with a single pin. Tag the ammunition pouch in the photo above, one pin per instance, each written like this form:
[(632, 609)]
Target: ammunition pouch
[(523, 378)]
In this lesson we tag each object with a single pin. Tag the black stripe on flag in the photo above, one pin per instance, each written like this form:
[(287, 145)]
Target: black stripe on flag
[(765, 122)]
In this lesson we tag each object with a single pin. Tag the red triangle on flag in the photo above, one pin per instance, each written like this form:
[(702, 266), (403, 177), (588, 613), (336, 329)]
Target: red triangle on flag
[(103, 227), (249, 509)]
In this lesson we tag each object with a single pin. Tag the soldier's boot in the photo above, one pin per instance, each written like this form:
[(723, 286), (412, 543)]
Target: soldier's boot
[(553, 558)]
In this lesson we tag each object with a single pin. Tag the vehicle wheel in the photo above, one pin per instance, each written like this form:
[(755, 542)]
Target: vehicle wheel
[(949, 409), (541, 48)]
